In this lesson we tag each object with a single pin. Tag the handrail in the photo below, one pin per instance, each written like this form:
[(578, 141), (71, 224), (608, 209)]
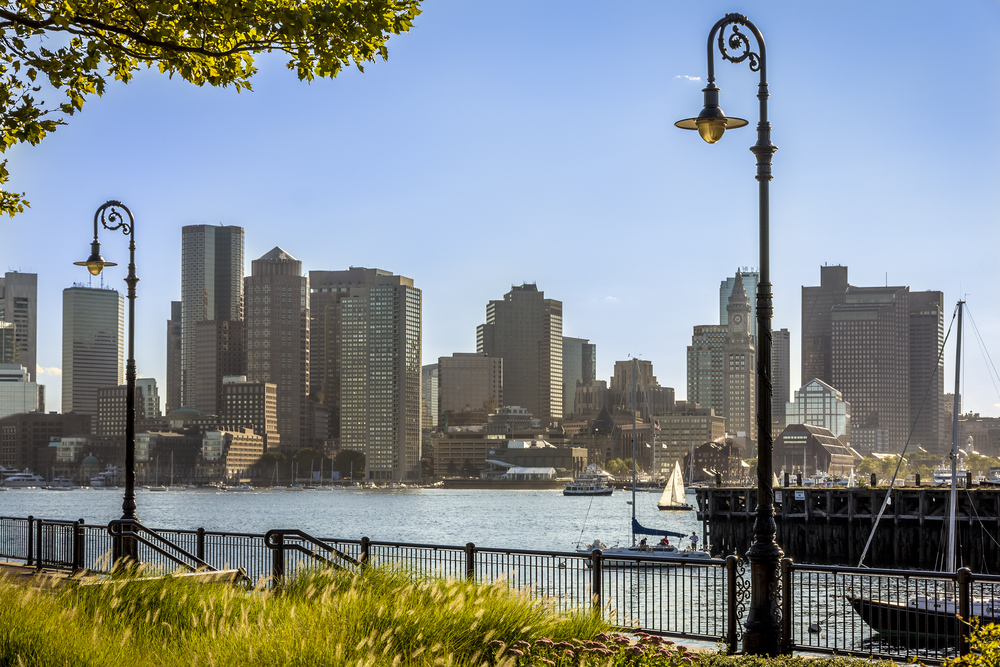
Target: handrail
[(275, 541), (115, 529)]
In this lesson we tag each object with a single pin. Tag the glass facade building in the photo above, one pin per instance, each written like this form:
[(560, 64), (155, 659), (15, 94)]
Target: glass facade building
[(819, 404), (366, 351), (93, 352), (211, 289)]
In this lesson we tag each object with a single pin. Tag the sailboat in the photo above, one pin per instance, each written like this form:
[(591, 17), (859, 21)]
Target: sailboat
[(174, 487), (156, 479), (673, 492), (664, 551), (931, 620)]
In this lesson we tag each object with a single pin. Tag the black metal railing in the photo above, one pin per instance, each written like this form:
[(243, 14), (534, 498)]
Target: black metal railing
[(825, 609), (58, 544), (896, 614)]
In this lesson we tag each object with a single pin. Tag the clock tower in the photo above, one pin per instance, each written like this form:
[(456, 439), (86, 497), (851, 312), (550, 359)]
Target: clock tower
[(738, 377)]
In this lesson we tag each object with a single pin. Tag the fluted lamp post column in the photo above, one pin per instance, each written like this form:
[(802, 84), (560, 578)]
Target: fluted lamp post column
[(763, 626), (110, 217)]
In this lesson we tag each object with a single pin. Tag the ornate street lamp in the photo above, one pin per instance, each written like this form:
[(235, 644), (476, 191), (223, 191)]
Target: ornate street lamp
[(763, 628), (111, 219)]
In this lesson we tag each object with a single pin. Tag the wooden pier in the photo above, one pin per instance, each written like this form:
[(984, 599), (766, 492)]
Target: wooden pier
[(832, 525)]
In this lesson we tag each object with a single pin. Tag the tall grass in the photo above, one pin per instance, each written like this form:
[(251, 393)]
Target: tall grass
[(384, 616)]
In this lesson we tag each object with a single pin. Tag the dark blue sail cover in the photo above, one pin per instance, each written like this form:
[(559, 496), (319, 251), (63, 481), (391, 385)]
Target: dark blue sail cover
[(639, 529)]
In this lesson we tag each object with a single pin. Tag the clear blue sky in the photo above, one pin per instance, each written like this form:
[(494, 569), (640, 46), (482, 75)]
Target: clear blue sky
[(507, 142)]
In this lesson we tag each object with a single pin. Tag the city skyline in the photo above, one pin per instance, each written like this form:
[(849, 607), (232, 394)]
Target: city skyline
[(546, 138)]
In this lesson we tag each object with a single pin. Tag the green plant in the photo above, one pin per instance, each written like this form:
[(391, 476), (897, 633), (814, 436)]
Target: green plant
[(984, 648)]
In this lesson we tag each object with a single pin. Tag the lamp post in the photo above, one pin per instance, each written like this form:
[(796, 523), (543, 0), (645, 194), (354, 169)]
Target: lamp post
[(763, 628), (111, 219)]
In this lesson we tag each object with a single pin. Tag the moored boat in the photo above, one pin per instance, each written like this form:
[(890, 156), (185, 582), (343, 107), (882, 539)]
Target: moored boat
[(591, 482)]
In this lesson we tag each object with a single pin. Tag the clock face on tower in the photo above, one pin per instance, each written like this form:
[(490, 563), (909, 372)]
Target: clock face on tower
[(738, 319)]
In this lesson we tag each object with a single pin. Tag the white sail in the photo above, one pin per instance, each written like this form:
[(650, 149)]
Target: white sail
[(673, 492)]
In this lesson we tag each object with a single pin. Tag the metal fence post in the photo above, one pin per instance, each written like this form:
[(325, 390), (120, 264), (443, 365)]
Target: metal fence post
[(365, 551), (964, 609), (78, 546), (731, 618), (278, 560), (470, 561), (200, 544), (597, 568), (31, 539), (38, 544), (786, 606)]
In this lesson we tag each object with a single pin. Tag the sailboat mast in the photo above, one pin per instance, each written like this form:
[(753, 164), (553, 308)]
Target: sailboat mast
[(953, 500), (633, 447)]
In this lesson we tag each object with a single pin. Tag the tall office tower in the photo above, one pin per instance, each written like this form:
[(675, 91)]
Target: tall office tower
[(781, 350), (525, 330), (369, 363), (220, 350), (174, 357), (650, 398), (429, 375), (817, 306), (18, 394), (870, 345), (93, 354), (8, 348), (738, 368), (211, 289), (704, 366), (750, 281), (150, 407), (579, 367), (930, 429), (469, 380), (277, 334), (19, 305)]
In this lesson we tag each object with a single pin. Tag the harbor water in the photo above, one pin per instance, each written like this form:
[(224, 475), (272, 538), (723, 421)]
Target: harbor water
[(542, 519)]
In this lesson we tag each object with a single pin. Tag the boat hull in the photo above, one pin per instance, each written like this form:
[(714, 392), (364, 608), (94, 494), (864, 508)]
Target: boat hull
[(901, 623), (588, 492), (680, 508)]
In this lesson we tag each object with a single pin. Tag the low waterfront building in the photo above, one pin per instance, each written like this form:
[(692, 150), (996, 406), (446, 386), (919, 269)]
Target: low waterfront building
[(230, 455), (715, 458), (807, 450)]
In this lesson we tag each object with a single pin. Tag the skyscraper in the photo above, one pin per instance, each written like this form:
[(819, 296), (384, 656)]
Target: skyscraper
[(817, 306), (429, 374), (174, 357), (750, 281), (704, 366), (880, 346), (366, 347), (525, 330), (220, 351), (870, 358), (93, 353), (211, 289), (931, 429), (277, 334), (781, 351), (579, 367), (19, 306), (738, 368), (650, 398), (469, 380)]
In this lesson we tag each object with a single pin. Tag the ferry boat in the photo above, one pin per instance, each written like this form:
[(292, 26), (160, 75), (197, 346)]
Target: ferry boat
[(591, 482), (23, 480)]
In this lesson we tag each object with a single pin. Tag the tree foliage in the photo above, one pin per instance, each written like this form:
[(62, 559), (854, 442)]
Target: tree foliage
[(68, 48)]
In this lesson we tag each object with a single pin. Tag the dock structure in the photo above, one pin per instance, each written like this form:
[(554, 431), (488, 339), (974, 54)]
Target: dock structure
[(830, 526)]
